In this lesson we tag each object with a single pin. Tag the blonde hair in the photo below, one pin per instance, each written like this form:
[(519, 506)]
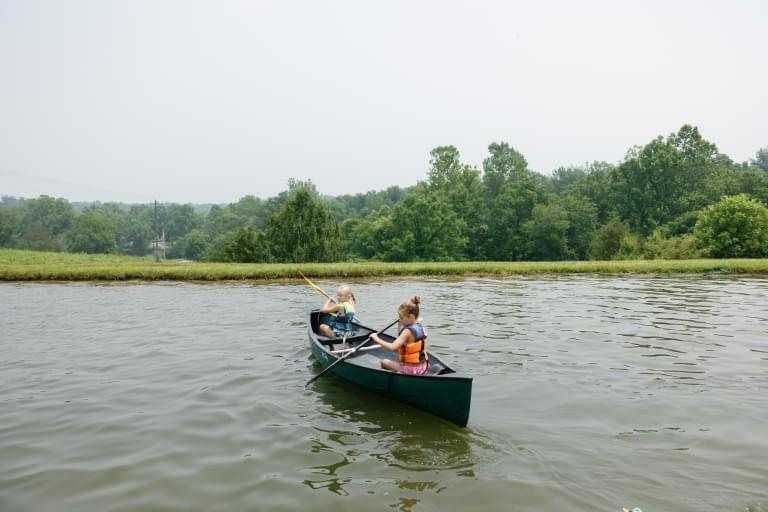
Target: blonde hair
[(411, 306), (346, 290)]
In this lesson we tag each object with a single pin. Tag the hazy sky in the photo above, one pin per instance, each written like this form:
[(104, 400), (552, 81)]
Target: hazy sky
[(207, 101)]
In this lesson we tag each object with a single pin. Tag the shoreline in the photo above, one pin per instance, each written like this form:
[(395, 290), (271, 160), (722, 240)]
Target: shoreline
[(19, 266)]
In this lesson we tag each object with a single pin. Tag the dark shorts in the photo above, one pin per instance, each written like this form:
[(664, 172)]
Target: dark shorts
[(325, 319)]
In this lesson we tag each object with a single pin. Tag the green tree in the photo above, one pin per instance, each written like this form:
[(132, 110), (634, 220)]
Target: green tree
[(9, 218), (564, 178), (503, 165), (459, 183), (597, 186), (303, 229), (247, 211), (361, 205), (612, 241), (92, 232), (423, 227), (460, 186), (665, 178), (761, 159), (253, 210), (734, 227), (445, 167), (546, 233), (505, 218), (135, 231), (39, 237), (682, 225), (723, 179), (368, 238), (191, 246), (645, 183), (581, 214), (54, 213), (752, 181), (179, 220), (217, 248), (221, 220), (248, 245), (43, 223), (511, 191)]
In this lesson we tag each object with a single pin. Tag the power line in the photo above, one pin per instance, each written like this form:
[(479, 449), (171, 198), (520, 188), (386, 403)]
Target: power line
[(18, 180)]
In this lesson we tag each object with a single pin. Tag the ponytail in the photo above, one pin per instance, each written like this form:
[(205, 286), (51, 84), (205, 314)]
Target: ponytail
[(411, 306)]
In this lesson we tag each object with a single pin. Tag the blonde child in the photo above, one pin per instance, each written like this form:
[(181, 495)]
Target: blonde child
[(339, 313)]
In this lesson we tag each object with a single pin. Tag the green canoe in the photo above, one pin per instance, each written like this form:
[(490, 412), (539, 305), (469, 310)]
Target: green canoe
[(443, 392)]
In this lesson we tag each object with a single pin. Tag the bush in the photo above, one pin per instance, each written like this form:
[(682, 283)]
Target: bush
[(659, 245), (734, 227), (614, 241)]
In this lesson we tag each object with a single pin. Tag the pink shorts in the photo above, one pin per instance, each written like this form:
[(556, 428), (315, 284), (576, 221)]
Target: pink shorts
[(419, 369)]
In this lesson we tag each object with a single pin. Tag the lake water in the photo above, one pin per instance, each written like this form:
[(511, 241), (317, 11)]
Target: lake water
[(591, 393)]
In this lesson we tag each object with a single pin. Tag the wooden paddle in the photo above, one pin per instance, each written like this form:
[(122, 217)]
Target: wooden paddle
[(339, 360)]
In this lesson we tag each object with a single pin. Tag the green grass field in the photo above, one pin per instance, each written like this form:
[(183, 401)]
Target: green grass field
[(49, 266)]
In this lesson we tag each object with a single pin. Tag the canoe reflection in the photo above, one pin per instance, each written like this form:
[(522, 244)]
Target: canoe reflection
[(357, 431)]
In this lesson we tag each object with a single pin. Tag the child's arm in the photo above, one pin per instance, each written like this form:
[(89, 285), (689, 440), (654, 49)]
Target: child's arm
[(395, 345), (331, 306)]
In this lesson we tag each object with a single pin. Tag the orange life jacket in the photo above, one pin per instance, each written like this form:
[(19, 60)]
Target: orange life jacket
[(416, 352)]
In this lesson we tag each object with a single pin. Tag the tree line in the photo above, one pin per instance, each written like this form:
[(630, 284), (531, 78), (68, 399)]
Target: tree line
[(675, 197)]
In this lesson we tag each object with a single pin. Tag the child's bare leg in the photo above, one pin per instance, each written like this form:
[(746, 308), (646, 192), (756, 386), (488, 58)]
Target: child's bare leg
[(326, 331), (390, 365)]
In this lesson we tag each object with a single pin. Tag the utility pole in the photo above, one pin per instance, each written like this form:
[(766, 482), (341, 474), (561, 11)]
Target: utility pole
[(158, 244)]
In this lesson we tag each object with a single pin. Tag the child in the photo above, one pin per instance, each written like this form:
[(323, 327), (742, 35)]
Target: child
[(411, 342), (339, 313)]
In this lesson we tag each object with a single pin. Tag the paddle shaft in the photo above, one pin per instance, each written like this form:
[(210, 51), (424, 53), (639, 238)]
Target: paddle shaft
[(313, 285), (342, 358)]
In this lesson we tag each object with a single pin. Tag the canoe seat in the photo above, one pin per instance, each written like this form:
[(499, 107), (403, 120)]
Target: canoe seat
[(326, 341), (350, 339)]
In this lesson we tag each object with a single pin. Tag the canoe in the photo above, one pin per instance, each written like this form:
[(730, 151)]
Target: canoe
[(443, 392)]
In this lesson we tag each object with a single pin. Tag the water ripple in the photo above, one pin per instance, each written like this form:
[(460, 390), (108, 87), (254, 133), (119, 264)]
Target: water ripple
[(590, 393)]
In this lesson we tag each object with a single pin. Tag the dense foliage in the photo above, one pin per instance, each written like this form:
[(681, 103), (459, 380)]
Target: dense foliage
[(734, 227), (675, 197)]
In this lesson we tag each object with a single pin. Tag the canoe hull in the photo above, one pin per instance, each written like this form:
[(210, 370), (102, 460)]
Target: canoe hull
[(447, 395)]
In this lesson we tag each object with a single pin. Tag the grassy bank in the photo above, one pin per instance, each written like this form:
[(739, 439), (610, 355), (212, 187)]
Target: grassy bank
[(43, 266)]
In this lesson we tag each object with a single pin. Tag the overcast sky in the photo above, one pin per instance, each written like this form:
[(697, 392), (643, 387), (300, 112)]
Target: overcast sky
[(207, 101)]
